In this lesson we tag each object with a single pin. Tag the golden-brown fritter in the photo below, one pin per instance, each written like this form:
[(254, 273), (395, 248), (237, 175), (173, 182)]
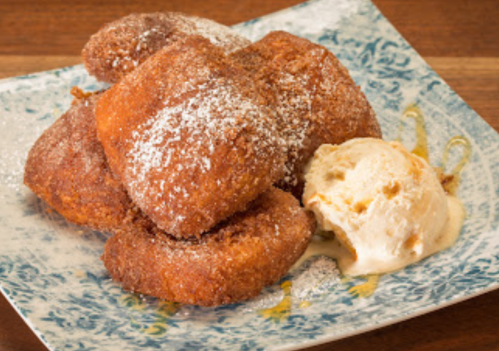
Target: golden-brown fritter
[(190, 137), (67, 168), (120, 46), (232, 263), (314, 98)]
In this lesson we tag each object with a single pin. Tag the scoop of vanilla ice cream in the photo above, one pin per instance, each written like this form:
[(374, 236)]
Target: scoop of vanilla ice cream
[(385, 205)]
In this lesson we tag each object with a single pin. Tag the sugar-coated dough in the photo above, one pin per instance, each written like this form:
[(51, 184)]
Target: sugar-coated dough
[(190, 137), (314, 98), (122, 45), (230, 264), (67, 168)]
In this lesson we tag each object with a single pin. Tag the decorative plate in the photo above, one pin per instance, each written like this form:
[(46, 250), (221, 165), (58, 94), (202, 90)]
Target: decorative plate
[(50, 270)]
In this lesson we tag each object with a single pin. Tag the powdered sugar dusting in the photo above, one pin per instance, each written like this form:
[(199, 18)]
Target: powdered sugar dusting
[(317, 277), (315, 100), (293, 110), (124, 44), (219, 34), (213, 115)]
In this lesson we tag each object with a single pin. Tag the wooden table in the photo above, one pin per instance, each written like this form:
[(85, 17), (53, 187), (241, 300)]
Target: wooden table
[(458, 38)]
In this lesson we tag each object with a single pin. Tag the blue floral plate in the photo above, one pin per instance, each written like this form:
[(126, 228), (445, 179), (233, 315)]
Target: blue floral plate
[(51, 273)]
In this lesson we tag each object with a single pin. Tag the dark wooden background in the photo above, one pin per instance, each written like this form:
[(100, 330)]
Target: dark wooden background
[(458, 38)]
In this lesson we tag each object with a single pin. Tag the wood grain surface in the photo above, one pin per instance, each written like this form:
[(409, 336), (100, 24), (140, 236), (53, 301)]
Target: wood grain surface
[(458, 38)]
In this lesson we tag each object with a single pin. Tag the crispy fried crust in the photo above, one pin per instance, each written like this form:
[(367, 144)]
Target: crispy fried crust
[(190, 137), (67, 168), (314, 97), (232, 263), (120, 46)]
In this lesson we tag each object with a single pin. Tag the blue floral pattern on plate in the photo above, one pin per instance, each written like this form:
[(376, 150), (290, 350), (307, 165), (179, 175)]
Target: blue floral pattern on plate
[(51, 272)]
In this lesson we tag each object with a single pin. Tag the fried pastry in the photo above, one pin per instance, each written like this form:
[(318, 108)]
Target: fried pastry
[(120, 46), (314, 98), (67, 168), (231, 263), (190, 137)]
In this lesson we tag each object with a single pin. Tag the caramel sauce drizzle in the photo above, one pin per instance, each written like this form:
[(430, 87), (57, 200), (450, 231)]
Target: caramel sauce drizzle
[(421, 148), (280, 312), (365, 289), (451, 181), (164, 311)]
